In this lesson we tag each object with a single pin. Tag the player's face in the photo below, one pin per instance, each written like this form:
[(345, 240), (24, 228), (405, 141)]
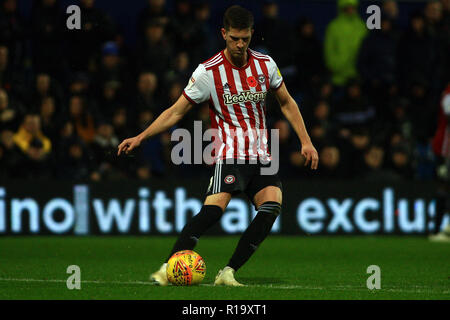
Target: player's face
[(237, 41)]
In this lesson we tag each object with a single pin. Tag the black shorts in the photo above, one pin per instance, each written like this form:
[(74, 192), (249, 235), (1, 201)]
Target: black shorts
[(236, 178)]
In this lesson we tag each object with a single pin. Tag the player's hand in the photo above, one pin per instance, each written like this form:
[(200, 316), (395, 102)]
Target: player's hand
[(128, 145), (311, 155)]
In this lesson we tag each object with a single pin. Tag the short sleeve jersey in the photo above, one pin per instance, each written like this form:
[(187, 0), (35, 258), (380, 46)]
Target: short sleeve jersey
[(236, 99)]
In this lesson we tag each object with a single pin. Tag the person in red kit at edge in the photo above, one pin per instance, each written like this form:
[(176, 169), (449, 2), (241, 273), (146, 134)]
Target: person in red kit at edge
[(235, 81), (441, 147)]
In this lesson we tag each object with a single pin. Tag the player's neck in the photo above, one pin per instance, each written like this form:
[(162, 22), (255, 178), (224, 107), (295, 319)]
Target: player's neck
[(236, 62)]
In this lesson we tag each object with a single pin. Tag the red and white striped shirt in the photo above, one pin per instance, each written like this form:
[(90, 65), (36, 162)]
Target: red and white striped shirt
[(441, 139), (236, 102)]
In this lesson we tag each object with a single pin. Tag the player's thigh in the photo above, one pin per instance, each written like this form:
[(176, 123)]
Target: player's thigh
[(220, 199), (269, 193)]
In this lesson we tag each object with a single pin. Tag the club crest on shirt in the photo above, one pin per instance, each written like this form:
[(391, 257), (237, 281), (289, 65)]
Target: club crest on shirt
[(229, 179), (261, 78), (252, 81)]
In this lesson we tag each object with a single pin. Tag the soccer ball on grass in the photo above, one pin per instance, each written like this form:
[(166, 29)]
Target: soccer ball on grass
[(186, 268)]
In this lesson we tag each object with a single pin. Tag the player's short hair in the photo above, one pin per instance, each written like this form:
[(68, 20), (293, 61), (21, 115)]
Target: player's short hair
[(237, 17)]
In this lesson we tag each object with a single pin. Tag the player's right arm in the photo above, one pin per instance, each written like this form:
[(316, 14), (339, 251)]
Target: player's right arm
[(167, 119), (196, 91)]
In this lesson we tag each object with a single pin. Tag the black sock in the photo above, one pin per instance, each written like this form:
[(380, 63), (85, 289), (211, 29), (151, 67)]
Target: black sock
[(195, 228), (256, 232)]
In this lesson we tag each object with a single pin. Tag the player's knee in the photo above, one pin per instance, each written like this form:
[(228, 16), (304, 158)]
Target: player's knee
[(219, 199), (270, 207)]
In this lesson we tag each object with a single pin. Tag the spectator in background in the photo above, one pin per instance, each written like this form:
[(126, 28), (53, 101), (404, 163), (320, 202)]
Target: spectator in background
[(47, 25), (330, 163), (5, 68), (354, 108), (270, 32), (104, 147), (445, 17), (11, 78), (44, 86), (155, 51), (323, 91), (180, 70), (12, 31), (445, 39), (204, 41), (400, 118), (143, 171), (112, 67), (50, 117), (377, 65), (318, 133), (308, 56), (121, 122), (390, 10), (155, 11), (11, 158), (35, 147), (174, 92), (433, 17), (82, 120), (400, 161), (438, 30), (10, 114), (343, 38), (75, 161), (203, 116), (109, 101), (288, 144), (146, 98), (417, 54), (319, 116), (445, 9), (79, 83), (182, 26), (322, 115), (83, 45), (422, 111), (353, 143), (373, 163)]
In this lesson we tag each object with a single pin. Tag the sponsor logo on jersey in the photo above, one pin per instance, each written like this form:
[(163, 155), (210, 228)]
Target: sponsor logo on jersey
[(229, 179), (244, 96), (226, 86), (252, 81)]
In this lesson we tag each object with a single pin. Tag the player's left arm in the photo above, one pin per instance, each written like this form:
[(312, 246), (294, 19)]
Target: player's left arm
[(292, 113)]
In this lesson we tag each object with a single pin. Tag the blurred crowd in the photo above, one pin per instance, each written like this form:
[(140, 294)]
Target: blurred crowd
[(370, 98)]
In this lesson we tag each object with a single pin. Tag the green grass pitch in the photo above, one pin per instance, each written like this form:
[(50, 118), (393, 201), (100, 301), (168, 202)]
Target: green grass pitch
[(285, 268)]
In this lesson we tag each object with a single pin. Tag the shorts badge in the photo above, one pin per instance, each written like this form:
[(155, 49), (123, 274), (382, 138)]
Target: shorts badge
[(229, 179)]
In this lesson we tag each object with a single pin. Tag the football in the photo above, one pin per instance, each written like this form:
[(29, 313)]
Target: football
[(186, 268)]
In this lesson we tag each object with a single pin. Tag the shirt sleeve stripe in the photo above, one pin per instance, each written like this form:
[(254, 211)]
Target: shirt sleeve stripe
[(187, 97)]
